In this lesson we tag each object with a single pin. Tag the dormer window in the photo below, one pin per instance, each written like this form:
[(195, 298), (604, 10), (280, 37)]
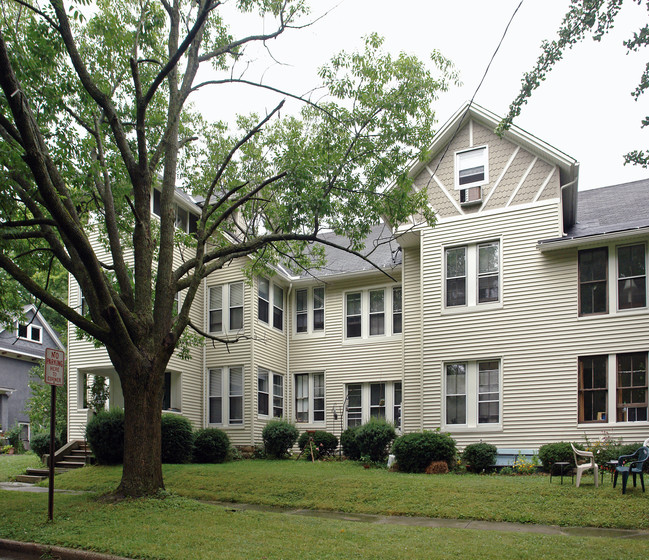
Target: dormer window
[(471, 172), (33, 333)]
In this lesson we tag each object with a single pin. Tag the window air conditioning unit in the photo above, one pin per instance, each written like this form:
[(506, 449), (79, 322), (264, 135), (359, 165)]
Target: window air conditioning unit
[(472, 195)]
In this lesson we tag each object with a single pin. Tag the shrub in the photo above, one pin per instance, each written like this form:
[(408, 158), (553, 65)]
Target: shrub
[(324, 444), (374, 439), (551, 453), (414, 452), (14, 437), (279, 436), (105, 435), (211, 445), (349, 443), (40, 444), (177, 439), (479, 456)]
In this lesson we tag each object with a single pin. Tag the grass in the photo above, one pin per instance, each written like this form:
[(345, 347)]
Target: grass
[(177, 526), (350, 488), (12, 465)]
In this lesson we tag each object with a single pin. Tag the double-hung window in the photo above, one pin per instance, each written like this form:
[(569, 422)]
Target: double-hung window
[(632, 387), (373, 313), (232, 315), (225, 395), (263, 299), (472, 274), (593, 388), (631, 276), (270, 386), (373, 400), (309, 310), (593, 281), (472, 393), (627, 264), (471, 172), (270, 296), (309, 398)]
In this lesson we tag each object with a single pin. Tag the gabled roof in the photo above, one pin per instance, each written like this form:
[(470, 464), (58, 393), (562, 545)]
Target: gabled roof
[(607, 212), (7, 343), (568, 166)]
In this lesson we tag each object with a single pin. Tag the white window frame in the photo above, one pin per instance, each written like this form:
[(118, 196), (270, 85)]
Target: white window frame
[(390, 405), (272, 303), (226, 310), (272, 393), (310, 398), (618, 279), (472, 276), (30, 329), (472, 394), (388, 310), (310, 311), (226, 396), (479, 152), (175, 391)]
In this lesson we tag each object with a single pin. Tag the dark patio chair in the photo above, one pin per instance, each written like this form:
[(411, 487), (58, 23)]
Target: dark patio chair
[(631, 464)]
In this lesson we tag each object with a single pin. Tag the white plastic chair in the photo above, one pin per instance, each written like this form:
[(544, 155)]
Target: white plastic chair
[(584, 466), (646, 443)]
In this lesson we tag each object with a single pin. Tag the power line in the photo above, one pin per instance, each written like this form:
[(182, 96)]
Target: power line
[(493, 56)]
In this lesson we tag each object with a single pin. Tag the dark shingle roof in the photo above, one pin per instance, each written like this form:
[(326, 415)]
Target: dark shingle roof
[(610, 209), (379, 248)]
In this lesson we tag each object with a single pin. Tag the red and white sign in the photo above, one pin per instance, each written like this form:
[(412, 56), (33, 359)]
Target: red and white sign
[(54, 367)]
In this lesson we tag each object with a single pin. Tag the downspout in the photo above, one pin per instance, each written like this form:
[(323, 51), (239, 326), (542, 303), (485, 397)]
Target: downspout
[(205, 370), (288, 351), (574, 203), (253, 314)]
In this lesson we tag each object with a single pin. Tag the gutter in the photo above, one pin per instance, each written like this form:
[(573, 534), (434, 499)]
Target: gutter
[(569, 242)]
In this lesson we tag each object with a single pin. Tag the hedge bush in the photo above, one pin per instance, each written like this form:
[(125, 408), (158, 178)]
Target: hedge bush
[(40, 444), (375, 438), (105, 435), (551, 453), (177, 439), (279, 436), (349, 443), (211, 445), (324, 444), (414, 452), (478, 457)]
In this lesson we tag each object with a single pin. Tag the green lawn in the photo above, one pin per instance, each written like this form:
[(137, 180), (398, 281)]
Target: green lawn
[(348, 487), (12, 465), (180, 528)]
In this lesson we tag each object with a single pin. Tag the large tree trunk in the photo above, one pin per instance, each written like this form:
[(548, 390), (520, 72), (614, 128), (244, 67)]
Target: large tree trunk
[(142, 471)]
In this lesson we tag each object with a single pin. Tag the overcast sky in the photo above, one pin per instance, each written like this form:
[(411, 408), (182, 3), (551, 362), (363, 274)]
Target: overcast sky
[(584, 108)]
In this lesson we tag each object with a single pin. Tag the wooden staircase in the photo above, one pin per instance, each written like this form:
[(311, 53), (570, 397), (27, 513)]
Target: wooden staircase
[(73, 455)]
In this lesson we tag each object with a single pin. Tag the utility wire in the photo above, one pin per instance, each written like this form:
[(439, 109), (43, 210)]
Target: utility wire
[(460, 122)]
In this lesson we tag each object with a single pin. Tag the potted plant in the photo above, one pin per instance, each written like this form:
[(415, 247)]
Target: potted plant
[(8, 449)]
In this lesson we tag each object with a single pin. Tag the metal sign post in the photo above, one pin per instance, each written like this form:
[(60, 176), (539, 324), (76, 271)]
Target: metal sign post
[(54, 367)]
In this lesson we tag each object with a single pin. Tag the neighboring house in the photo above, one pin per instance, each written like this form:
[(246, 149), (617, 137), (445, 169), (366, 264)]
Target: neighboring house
[(519, 319), (22, 346)]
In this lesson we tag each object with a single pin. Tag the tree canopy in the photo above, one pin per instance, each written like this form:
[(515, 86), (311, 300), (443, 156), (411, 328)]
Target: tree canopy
[(594, 18), (97, 119)]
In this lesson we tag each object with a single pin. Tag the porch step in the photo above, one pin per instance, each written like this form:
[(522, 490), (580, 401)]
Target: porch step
[(70, 464), (44, 472), (29, 478)]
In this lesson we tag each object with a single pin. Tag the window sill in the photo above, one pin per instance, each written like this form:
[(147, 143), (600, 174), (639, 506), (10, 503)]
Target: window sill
[(227, 426), (627, 424), (616, 313), (311, 425), (479, 308), (455, 428), (373, 339), (308, 335)]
